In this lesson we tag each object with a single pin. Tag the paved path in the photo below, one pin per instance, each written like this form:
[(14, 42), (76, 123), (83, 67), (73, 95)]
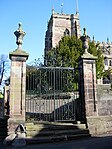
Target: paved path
[(104, 142)]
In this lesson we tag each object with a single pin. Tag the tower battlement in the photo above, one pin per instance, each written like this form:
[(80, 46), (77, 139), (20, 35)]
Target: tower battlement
[(59, 25)]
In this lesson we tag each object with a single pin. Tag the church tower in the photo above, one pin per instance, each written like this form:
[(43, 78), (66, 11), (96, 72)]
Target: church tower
[(61, 25)]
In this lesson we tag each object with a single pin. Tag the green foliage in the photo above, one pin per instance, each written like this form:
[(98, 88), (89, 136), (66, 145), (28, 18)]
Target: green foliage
[(107, 74), (68, 51), (96, 51), (66, 54)]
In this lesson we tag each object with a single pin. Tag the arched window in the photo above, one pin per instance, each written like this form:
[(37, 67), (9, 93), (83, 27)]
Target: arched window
[(106, 62), (66, 32), (110, 63)]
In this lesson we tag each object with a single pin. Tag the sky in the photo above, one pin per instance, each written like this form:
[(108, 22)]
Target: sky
[(95, 16)]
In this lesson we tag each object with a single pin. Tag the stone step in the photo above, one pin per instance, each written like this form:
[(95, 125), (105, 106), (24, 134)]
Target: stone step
[(54, 131), (56, 138), (56, 122), (53, 126), (51, 133), (39, 128)]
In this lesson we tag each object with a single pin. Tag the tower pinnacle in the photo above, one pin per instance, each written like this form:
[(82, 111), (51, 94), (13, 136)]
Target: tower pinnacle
[(61, 8), (77, 7), (52, 9), (107, 39)]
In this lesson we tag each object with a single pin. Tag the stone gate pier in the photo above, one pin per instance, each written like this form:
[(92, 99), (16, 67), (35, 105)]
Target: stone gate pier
[(97, 99), (17, 83)]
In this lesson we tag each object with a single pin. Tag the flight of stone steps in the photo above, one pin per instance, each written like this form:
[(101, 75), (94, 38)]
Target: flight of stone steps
[(43, 132)]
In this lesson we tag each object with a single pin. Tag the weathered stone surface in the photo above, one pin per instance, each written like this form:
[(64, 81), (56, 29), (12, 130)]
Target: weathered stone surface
[(100, 124), (19, 140), (17, 86), (57, 26), (8, 140), (104, 96), (88, 85), (20, 136)]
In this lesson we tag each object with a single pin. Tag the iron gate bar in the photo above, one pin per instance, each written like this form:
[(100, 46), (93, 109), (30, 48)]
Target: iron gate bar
[(54, 97), (46, 99), (63, 68)]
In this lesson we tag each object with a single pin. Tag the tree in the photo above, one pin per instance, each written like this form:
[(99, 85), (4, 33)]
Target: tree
[(96, 51), (66, 54), (68, 51), (4, 69), (33, 74)]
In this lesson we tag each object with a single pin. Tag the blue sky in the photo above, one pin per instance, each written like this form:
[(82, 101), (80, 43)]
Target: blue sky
[(95, 15)]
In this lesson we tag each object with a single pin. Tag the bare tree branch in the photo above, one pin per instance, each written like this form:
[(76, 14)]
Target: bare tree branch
[(4, 67)]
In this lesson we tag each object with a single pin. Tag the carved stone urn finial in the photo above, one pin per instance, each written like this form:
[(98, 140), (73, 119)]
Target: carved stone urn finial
[(85, 39), (19, 36), (85, 43)]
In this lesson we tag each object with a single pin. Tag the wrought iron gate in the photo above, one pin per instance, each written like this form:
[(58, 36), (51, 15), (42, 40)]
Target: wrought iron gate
[(51, 93)]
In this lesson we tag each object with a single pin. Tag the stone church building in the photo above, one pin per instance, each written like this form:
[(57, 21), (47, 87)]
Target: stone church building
[(61, 24)]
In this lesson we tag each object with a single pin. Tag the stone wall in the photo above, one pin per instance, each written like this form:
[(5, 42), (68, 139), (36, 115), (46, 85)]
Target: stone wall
[(60, 24), (104, 96), (102, 124), (57, 26)]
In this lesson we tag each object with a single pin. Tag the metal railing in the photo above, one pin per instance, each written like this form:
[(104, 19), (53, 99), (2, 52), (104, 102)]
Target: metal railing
[(51, 93)]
